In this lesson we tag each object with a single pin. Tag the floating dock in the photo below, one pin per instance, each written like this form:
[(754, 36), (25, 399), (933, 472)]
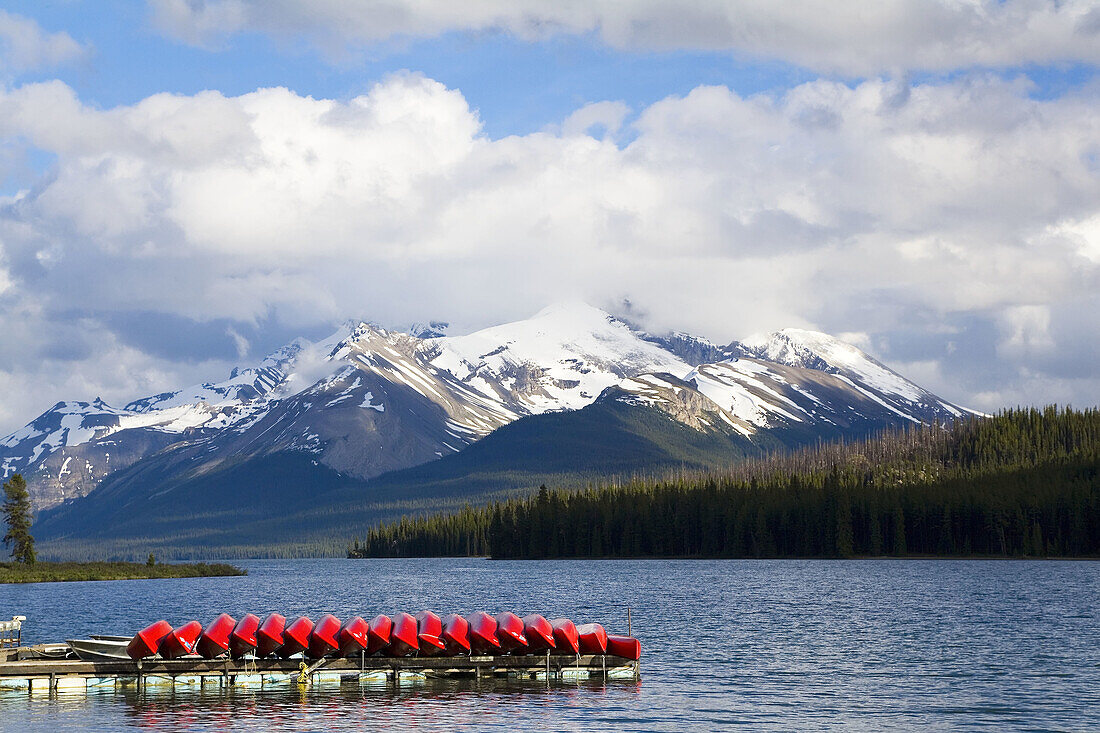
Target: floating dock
[(18, 673)]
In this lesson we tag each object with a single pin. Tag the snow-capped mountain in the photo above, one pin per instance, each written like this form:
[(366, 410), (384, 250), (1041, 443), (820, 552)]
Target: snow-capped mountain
[(368, 400)]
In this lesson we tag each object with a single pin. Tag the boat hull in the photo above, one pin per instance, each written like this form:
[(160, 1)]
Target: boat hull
[(269, 636), (592, 639), (624, 646), (353, 637), (181, 641), (429, 633), (100, 650), (538, 632), (381, 633), (565, 636), (146, 642), (483, 633), (215, 637), (296, 637), (403, 639), (510, 633), (322, 640), (456, 635), (242, 639)]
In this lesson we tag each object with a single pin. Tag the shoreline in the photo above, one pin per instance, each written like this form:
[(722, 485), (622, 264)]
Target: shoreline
[(45, 571)]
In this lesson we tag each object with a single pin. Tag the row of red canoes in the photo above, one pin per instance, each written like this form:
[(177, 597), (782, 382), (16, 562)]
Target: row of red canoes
[(424, 634)]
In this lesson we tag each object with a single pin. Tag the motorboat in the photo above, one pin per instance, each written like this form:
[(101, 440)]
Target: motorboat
[(322, 640), (181, 641), (565, 636), (592, 639), (215, 637), (403, 636), (624, 646), (269, 635), (380, 634), (96, 649), (296, 636), (429, 630), (353, 637), (456, 635), (483, 633), (147, 641), (242, 639), (538, 632)]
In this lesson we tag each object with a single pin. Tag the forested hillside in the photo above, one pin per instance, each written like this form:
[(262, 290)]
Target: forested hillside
[(1023, 483)]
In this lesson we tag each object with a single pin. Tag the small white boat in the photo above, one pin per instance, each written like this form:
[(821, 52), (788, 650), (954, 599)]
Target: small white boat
[(101, 648)]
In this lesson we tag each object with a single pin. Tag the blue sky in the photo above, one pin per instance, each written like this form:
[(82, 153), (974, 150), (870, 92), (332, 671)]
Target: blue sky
[(920, 177)]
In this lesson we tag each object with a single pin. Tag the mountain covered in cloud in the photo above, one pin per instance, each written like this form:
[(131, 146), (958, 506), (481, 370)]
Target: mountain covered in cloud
[(368, 401)]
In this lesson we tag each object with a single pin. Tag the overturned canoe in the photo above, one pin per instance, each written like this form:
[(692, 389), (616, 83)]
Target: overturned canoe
[(380, 634), (180, 641), (242, 639), (592, 639), (322, 639), (146, 642), (456, 635), (215, 637), (353, 637), (403, 639), (429, 632), (565, 636), (483, 633), (296, 636), (624, 646), (269, 636), (538, 632), (510, 632)]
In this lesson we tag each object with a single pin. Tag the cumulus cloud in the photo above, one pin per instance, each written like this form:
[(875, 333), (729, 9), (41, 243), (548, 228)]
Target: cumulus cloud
[(25, 46), (856, 37), (954, 216)]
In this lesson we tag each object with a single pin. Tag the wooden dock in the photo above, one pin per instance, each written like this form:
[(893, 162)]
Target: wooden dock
[(49, 675)]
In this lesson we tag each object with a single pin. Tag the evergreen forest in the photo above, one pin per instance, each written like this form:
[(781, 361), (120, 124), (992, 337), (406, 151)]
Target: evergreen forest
[(1023, 483)]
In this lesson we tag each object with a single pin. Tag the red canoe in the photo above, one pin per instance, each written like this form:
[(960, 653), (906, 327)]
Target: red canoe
[(296, 636), (403, 641), (456, 635), (510, 633), (592, 638), (565, 636), (483, 633), (242, 639), (539, 632), (215, 637), (269, 637), (381, 630), (429, 630), (322, 640), (181, 641), (146, 642), (353, 636), (624, 646)]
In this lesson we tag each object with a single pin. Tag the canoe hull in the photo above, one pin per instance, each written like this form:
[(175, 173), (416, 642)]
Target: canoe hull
[(353, 637), (538, 632), (565, 636), (592, 639), (380, 634), (215, 637), (510, 633), (322, 640), (146, 642), (483, 633), (269, 636), (296, 637), (181, 641), (624, 646), (242, 639), (456, 635), (429, 633), (403, 639)]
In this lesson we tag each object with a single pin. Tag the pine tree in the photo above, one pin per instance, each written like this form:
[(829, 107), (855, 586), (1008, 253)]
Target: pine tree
[(17, 513)]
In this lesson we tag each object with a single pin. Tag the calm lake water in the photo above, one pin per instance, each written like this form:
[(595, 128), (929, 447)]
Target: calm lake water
[(755, 645)]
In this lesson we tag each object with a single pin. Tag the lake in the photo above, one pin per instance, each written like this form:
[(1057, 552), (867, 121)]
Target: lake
[(729, 644)]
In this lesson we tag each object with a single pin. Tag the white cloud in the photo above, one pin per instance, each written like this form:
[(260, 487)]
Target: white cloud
[(858, 37), (859, 209), (25, 46)]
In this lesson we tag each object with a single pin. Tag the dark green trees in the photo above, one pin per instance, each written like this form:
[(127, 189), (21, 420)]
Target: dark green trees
[(1022, 483), (17, 514)]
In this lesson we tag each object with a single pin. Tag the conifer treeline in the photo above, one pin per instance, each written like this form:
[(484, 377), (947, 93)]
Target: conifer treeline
[(1023, 483)]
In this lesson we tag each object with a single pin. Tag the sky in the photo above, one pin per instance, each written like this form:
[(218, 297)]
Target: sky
[(185, 185)]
